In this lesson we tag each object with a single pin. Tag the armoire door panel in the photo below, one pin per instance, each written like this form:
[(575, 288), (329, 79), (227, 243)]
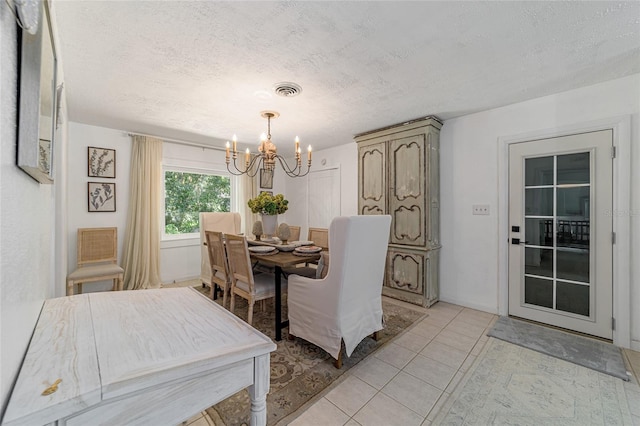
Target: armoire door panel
[(406, 225), (407, 195), (405, 271), (372, 182)]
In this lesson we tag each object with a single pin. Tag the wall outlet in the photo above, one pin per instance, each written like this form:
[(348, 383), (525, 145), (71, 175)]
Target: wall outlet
[(481, 209)]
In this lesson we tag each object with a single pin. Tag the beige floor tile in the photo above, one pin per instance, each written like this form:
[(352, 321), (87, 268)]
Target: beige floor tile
[(385, 411), (466, 329), (426, 329), (436, 408), (433, 372), (375, 372), (467, 363), (426, 422), (456, 340), (201, 421), (351, 395), (454, 382), (395, 355), (478, 347), (412, 392), (439, 320), (322, 413), (476, 317), (443, 306), (192, 419), (352, 423), (412, 341), (445, 354)]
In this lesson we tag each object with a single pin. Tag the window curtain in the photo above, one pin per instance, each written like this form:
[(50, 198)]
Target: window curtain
[(141, 256)]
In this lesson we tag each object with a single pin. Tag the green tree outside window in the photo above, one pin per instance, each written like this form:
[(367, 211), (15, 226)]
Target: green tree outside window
[(188, 194)]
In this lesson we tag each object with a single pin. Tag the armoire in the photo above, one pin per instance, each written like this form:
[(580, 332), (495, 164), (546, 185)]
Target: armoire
[(398, 174)]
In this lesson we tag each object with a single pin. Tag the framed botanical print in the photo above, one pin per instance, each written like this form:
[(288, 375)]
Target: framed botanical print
[(102, 197), (102, 162), (266, 178)]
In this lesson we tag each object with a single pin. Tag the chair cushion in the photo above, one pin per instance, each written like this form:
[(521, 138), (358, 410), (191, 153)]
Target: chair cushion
[(95, 271), (264, 285), (323, 265)]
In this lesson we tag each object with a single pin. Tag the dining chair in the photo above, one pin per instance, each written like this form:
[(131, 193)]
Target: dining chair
[(97, 250), (345, 305), (319, 236), (219, 264), (225, 222), (295, 233), (243, 282)]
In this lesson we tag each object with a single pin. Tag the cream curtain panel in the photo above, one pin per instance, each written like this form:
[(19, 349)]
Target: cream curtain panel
[(141, 256)]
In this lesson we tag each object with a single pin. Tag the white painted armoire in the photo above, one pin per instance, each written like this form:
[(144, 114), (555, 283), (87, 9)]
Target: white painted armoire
[(398, 174)]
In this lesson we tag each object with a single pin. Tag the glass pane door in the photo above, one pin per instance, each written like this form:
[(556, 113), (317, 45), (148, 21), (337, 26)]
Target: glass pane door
[(557, 203)]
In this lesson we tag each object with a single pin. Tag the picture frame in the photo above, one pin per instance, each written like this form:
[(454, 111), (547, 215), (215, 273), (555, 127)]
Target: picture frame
[(266, 178), (101, 196), (101, 162)]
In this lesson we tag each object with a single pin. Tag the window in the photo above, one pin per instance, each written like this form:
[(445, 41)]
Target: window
[(187, 193)]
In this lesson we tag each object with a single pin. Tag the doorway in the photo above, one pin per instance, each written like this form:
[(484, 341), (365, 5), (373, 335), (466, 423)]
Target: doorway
[(561, 231)]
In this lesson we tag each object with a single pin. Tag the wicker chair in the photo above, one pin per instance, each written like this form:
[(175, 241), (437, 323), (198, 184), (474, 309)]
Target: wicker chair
[(97, 259), (243, 282)]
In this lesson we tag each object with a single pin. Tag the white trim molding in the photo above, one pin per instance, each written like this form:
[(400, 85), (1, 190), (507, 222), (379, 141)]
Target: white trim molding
[(621, 127)]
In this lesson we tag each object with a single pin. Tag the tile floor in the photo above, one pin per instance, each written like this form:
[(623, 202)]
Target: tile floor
[(408, 380)]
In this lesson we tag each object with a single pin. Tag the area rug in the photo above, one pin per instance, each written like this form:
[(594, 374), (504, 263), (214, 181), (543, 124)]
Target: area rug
[(600, 356), (513, 385), (299, 369)]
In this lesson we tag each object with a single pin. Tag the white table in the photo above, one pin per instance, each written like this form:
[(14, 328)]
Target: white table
[(138, 358)]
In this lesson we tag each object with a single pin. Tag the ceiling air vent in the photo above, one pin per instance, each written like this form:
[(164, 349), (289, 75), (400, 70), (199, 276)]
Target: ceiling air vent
[(287, 89)]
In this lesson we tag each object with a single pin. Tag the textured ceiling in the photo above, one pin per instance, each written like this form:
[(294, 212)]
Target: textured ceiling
[(202, 70)]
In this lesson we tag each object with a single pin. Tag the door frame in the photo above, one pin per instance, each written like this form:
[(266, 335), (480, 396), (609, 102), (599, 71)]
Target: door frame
[(621, 212)]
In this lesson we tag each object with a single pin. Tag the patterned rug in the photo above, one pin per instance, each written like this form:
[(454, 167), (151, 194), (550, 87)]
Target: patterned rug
[(299, 369), (513, 385)]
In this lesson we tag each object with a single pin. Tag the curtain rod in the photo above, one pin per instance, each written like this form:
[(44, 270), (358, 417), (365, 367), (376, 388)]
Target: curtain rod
[(179, 141)]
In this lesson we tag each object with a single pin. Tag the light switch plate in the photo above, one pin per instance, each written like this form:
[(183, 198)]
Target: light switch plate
[(481, 209)]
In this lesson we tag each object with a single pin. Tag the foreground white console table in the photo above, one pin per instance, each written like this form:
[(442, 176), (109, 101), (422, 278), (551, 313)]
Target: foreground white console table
[(144, 357)]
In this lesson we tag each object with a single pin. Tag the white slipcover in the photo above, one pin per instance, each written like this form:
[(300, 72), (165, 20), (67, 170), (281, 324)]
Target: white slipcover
[(228, 223), (347, 303)]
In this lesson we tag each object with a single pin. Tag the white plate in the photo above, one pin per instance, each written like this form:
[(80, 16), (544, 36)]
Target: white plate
[(261, 249), (308, 249), (302, 243)]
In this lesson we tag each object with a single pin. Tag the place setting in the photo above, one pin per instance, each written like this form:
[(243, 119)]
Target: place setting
[(307, 250), (263, 250)]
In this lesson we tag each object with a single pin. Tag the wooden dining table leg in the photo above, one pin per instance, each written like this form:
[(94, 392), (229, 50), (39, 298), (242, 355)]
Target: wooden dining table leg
[(278, 273)]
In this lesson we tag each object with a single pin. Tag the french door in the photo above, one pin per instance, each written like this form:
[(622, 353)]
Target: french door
[(561, 231)]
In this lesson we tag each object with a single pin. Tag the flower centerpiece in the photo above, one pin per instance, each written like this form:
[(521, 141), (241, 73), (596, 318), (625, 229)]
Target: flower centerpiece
[(269, 206)]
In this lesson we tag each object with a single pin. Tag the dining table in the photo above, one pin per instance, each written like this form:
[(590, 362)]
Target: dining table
[(280, 260)]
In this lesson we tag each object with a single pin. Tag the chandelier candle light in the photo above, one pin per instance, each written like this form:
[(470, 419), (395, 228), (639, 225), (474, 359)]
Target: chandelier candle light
[(268, 155)]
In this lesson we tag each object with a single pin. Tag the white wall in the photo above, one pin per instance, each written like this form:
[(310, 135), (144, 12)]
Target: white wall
[(82, 136), (346, 157), (470, 175), (27, 225)]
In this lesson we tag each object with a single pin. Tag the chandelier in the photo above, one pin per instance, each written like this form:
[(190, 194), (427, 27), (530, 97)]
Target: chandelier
[(266, 159)]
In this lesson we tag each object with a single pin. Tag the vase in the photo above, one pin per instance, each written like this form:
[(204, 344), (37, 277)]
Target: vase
[(269, 225)]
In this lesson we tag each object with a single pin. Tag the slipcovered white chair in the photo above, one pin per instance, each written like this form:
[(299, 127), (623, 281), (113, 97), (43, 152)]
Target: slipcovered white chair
[(227, 223), (346, 305)]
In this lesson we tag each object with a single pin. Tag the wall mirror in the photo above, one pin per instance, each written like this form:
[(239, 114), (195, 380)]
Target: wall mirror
[(37, 99)]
